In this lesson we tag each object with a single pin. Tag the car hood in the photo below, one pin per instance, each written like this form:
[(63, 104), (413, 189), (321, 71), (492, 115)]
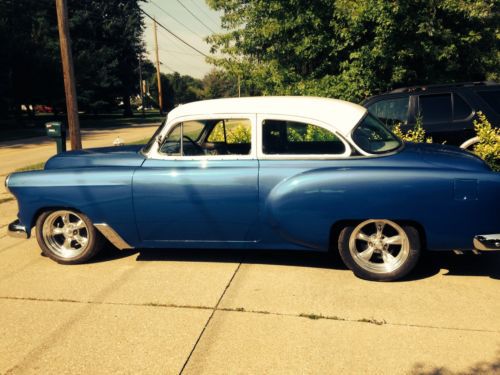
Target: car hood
[(444, 156), (121, 156)]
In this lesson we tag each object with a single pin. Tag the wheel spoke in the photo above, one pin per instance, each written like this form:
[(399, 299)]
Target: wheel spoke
[(367, 254), (67, 243), (380, 228), (56, 231), (81, 240), (65, 219), (394, 240), (362, 236), (388, 258), (79, 224)]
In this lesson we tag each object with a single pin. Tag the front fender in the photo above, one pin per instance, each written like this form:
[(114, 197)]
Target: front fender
[(103, 194)]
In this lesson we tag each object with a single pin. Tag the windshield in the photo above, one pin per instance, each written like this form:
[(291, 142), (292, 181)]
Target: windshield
[(151, 142), (373, 137)]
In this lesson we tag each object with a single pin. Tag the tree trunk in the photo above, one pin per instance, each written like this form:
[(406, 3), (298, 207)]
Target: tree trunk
[(127, 109)]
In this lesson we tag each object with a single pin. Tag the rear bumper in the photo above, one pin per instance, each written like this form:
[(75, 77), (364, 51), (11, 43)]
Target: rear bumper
[(487, 242), (17, 230)]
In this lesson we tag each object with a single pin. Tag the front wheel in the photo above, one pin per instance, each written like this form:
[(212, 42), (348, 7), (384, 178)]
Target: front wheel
[(67, 236), (379, 250)]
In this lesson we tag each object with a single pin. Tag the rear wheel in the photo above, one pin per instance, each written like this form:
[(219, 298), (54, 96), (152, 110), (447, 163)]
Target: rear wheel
[(67, 236), (379, 250)]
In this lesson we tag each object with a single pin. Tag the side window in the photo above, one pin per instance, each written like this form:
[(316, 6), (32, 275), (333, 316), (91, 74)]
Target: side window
[(172, 144), (209, 137), (391, 111), (231, 131), (435, 108), (492, 98), (461, 109), (297, 138)]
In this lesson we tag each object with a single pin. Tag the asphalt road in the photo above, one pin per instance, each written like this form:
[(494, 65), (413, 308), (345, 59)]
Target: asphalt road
[(225, 312)]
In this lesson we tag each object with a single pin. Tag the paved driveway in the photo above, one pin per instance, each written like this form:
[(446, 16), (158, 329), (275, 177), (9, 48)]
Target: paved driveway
[(227, 312)]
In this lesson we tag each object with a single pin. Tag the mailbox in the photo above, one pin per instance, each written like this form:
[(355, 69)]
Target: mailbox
[(57, 131)]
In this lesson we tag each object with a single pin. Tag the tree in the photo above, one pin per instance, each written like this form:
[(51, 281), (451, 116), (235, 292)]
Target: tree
[(353, 48), (177, 89), (106, 43)]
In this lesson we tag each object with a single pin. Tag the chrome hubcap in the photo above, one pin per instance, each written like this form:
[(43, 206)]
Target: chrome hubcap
[(65, 234), (379, 246)]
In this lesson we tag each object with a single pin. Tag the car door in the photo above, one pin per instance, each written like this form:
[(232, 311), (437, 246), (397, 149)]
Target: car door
[(289, 146), (200, 185)]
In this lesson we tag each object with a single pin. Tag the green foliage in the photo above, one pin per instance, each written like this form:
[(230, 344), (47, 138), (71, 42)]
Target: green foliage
[(106, 44), (236, 132), (309, 133), (415, 135), (177, 89), (353, 48), (488, 147)]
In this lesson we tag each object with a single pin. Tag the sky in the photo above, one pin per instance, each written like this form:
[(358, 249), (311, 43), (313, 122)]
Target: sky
[(174, 55)]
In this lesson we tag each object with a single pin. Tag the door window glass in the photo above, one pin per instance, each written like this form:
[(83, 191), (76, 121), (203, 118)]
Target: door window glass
[(492, 98), (435, 108), (297, 138), (391, 111), (461, 109), (172, 144), (209, 137)]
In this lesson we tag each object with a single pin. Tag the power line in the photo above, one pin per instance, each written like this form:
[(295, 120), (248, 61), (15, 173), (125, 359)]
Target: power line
[(175, 35), (194, 15), (205, 13), (178, 52), (176, 44), (178, 22)]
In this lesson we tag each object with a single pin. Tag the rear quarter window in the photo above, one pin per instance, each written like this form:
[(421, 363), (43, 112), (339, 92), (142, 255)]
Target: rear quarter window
[(492, 98)]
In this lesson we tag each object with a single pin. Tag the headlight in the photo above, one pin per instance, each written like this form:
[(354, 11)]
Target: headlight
[(7, 183)]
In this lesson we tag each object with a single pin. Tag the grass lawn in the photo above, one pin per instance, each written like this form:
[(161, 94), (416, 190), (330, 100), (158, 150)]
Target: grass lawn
[(12, 130)]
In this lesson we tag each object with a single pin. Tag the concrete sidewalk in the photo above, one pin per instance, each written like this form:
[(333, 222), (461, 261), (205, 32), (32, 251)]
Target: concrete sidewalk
[(21, 153), (226, 312)]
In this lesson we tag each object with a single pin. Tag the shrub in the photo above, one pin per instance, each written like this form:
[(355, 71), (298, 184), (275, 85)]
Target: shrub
[(415, 135), (488, 147)]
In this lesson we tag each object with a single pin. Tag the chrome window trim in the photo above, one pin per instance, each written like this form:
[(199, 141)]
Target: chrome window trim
[(262, 156)]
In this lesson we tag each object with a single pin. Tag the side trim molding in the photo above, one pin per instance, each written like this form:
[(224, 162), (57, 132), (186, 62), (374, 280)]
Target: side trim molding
[(112, 236)]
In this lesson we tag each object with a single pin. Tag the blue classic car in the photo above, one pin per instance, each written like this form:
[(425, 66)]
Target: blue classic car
[(265, 173)]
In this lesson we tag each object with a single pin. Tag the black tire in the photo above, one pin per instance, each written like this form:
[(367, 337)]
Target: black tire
[(50, 243), (403, 269)]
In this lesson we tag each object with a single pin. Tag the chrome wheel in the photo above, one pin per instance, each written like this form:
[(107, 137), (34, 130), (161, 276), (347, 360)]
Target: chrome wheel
[(66, 234), (379, 246)]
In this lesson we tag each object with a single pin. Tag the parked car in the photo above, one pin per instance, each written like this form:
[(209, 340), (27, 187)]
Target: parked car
[(265, 173), (447, 111)]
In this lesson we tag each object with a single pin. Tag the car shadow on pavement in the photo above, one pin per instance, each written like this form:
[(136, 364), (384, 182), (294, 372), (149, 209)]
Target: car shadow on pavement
[(430, 264), (468, 264)]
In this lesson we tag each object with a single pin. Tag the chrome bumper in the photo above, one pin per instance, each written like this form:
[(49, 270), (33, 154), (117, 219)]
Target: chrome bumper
[(487, 242), (17, 230)]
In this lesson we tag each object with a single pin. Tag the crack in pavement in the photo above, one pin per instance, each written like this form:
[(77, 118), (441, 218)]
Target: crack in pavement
[(210, 317), (249, 311), (59, 333)]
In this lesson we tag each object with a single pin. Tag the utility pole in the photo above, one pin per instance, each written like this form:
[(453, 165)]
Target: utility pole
[(158, 76), (141, 90), (239, 86), (69, 75)]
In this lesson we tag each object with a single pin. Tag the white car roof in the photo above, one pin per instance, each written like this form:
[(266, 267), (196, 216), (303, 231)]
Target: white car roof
[(341, 114)]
